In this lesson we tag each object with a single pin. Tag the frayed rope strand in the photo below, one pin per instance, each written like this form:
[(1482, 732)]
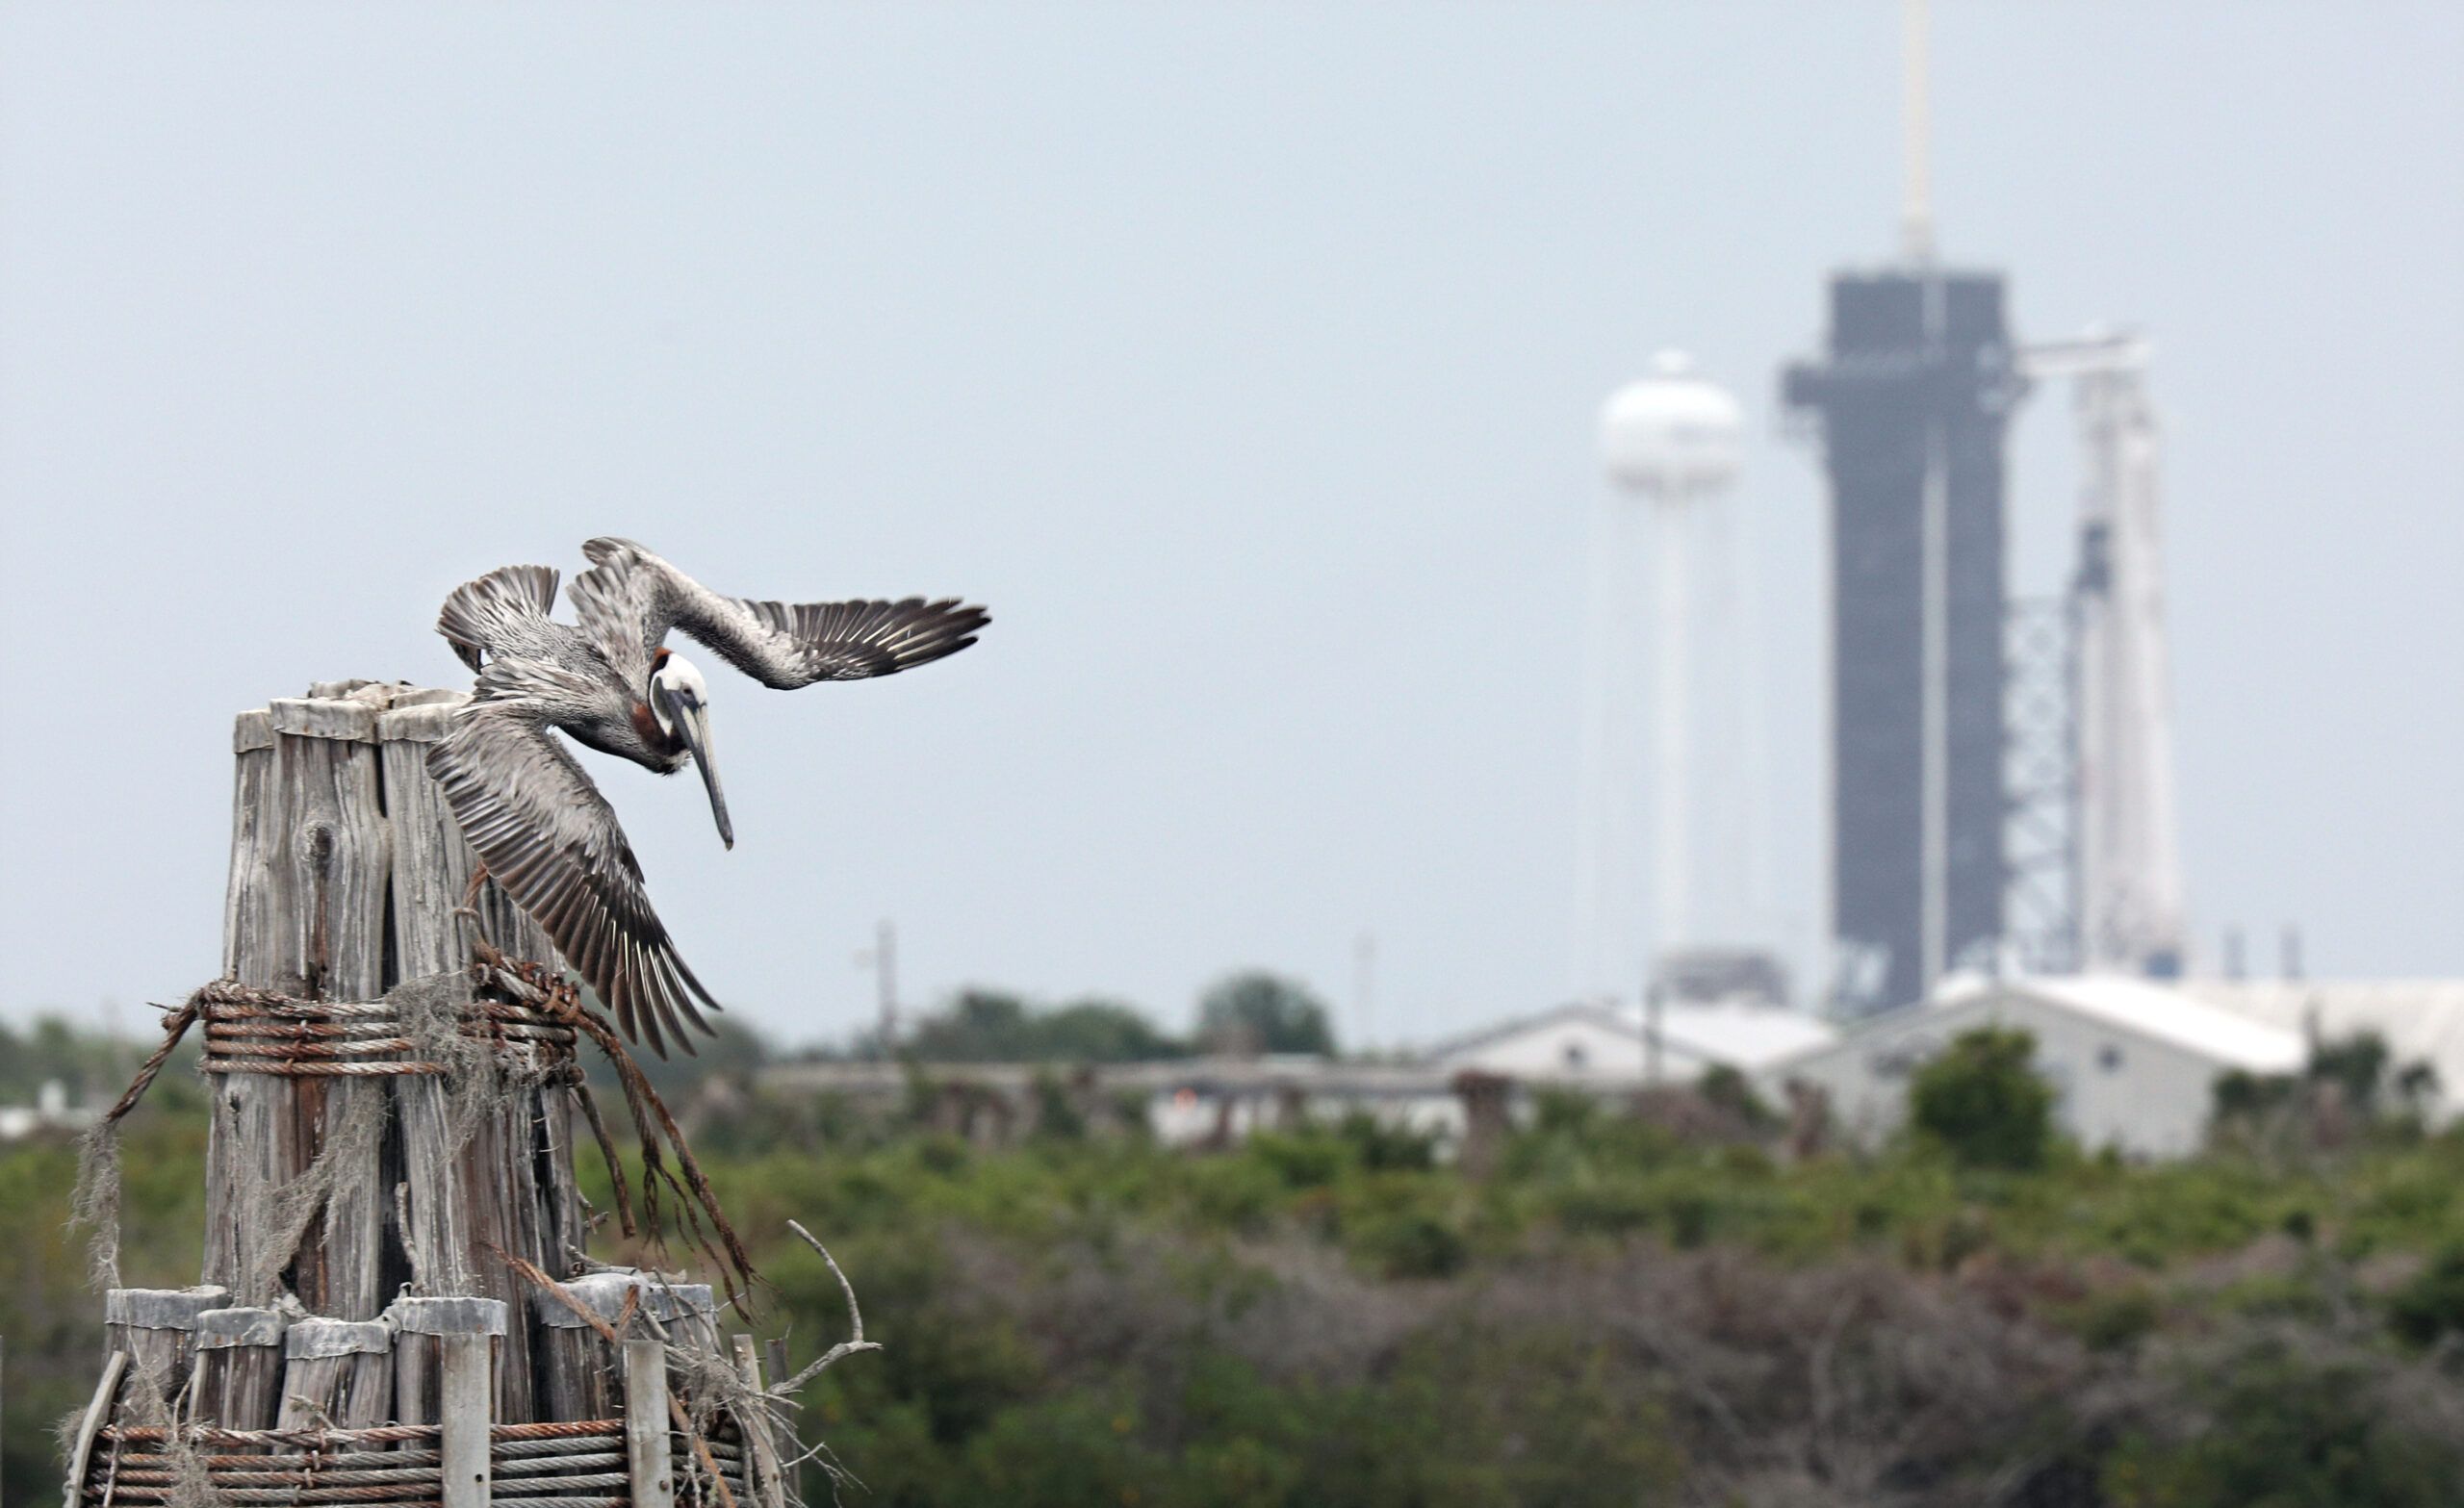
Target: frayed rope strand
[(95, 1203), (699, 1219)]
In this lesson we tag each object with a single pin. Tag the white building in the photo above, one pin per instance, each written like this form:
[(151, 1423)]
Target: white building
[(2419, 1019), (1590, 1045), (2133, 1063), (50, 1112)]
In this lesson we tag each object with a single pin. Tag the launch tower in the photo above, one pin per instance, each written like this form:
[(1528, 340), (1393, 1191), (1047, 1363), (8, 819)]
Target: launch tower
[(1909, 400)]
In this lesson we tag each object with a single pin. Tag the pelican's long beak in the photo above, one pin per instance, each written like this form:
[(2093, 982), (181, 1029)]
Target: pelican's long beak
[(693, 723)]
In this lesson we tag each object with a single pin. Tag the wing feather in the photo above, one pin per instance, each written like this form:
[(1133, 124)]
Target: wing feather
[(629, 600), (552, 842), (509, 604)]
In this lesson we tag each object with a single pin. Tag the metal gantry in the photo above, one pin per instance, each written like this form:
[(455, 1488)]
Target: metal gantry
[(2124, 911), (2040, 774)]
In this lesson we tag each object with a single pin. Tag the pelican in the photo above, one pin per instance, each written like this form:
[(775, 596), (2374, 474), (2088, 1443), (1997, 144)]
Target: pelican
[(540, 827)]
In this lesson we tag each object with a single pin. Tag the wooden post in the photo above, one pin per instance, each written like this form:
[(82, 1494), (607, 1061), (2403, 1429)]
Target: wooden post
[(310, 862), (1487, 1117), (337, 1373), (156, 1329), (432, 864), (576, 1366), (647, 1463), (782, 1412), (761, 1454), (469, 1399), (347, 871), (346, 874), (82, 1450), (421, 1325), (465, 1207), (239, 1366), (342, 859), (245, 1160), (1291, 1106)]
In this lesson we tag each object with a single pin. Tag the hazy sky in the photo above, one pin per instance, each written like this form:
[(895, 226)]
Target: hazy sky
[(1245, 360)]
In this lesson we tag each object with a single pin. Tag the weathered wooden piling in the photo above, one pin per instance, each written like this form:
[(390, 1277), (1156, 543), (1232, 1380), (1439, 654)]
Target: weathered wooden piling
[(576, 1360), (423, 1325), (311, 855), (346, 876), (337, 1373), (467, 1390), (389, 1170), (156, 1329), (238, 1367), (688, 1313), (648, 1460)]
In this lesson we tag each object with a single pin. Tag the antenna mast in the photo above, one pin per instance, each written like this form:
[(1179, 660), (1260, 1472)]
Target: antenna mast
[(1915, 124), (882, 957)]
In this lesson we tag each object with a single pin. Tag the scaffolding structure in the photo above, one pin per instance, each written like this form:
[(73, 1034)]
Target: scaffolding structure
[(2040, 771), (2125, 908)]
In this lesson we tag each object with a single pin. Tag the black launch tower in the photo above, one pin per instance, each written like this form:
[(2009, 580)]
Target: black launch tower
[(1910, 401)]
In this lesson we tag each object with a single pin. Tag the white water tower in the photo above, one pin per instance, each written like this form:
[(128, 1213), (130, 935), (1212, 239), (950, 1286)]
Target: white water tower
[(1670, 443)]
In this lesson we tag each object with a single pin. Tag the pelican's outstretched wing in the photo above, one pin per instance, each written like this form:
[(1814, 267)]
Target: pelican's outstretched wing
[(552, 842), (630, 599), (509, 604)]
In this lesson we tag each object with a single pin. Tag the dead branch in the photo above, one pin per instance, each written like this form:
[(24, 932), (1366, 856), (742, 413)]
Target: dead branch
[(855, 1343)]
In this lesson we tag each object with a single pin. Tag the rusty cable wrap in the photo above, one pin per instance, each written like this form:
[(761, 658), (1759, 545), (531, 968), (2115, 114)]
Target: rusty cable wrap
[(560, 1465), (525, 1012), (258, 1030)]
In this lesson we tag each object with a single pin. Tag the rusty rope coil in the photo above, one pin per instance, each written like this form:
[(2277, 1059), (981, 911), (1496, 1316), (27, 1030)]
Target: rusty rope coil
[(260, 1032), (531, 1014), (377, 1435)]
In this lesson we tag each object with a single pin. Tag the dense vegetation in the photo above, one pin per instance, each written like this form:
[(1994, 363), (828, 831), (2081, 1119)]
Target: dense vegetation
[(1618, 1314), (1245, 1013)]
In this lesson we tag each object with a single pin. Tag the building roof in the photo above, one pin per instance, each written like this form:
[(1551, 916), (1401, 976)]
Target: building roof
[(2152, 1009), (1515, 1026), (2161, 1012), (2418, 1018), (1740, 1035)]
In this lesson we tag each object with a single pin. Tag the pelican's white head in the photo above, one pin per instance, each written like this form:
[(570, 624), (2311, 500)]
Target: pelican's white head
[(680, 700)]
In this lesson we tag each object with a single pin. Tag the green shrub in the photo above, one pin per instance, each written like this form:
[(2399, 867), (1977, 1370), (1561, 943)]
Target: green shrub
[(1328, 1317), (1411, 1245), (1606, 1207), (1981, 1101), (1062, 1452), (1309, 1159), (1254, 1011), (1231, 1193), (2114, 1317), (2431, 1305), (2283, 1422), (1729, 1090), (1380, 1147)]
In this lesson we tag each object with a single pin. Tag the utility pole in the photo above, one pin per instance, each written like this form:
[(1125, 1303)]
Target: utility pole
[(1364, 989), (1654, 999), (882, 957)]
